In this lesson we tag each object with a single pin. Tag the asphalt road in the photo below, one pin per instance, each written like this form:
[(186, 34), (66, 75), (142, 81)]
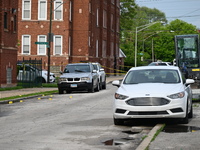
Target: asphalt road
[(64, 122)]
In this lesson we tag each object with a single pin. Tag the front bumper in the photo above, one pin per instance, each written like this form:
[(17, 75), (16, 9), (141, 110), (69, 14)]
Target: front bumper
[(78, 86), (174, 109)]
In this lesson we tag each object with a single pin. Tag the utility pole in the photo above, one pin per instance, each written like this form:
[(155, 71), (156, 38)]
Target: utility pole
[(49, 40)]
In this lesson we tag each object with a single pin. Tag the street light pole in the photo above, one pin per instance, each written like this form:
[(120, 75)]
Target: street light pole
[(136, 31), (49, 40)]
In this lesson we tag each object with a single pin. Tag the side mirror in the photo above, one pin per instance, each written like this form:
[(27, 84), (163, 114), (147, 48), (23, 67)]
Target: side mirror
[(116, 83), (94, 71), (189, 81), (101, 69), (61, 72)]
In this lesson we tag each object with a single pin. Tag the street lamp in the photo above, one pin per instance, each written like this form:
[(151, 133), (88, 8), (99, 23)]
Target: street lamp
[(138, 30)]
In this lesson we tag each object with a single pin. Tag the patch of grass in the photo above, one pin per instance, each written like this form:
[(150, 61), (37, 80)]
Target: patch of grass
[(11, 88), (27, 95), (49, 85), (156, 134)]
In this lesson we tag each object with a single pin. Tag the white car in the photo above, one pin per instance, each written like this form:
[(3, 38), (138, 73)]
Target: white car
[(153, 92), (28, 73)]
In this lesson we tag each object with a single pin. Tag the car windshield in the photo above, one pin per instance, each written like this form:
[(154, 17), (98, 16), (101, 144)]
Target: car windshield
[(77, 68), (152, 76)]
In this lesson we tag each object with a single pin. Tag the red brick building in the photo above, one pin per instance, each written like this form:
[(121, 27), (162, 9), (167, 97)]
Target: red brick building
[(8, 42), (84, 30)]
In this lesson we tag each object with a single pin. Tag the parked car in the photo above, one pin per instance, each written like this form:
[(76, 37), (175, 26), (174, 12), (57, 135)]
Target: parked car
[(160, 64), (78, 76), (30, 73), (102, 75), (153, 92)]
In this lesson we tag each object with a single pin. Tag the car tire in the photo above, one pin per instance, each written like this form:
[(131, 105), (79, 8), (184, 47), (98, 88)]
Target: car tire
[(118, 121), (185, 120), (104, 85), (100, 84), (97, 88), (60, 91), (190, 115)]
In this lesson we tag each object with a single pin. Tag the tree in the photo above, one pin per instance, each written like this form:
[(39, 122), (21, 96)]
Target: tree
[(164, 45)]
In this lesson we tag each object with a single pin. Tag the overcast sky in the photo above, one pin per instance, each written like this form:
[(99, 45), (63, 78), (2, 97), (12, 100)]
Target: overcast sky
[(186, 10)]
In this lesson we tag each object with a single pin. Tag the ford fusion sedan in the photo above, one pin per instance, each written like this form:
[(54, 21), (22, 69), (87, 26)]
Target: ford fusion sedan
[(153, 92)]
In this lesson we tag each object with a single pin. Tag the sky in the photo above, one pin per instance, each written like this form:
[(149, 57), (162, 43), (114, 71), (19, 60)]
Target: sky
[(186, 10)]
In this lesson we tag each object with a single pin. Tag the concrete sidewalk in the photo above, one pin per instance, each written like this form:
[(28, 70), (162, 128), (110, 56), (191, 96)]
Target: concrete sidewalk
[(26, 91)]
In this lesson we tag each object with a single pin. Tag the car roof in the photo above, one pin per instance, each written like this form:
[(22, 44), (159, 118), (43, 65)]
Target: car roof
[(155, 67)]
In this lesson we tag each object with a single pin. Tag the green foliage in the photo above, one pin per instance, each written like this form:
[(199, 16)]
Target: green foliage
[(157, 39)]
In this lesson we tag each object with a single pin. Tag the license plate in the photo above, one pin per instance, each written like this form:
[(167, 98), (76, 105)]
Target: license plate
[(73, 85)]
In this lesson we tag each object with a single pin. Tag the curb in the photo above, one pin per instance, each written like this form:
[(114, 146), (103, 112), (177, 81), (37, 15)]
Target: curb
[(145, 143)]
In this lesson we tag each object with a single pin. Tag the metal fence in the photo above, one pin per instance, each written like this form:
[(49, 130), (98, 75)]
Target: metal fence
[(29, 73)]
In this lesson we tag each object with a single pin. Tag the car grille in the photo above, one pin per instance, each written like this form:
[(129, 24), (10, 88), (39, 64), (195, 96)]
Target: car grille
[(148, 113), (73, 79), (147, 101)]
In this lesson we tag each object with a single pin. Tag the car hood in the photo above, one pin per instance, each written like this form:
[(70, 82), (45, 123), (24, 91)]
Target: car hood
[(75, 75), (150, 90)]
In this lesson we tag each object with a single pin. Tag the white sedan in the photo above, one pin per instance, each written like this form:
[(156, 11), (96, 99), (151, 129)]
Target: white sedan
[(153, 92)]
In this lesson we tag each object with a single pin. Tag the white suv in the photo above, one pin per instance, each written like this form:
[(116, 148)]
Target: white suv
[(102, 75)]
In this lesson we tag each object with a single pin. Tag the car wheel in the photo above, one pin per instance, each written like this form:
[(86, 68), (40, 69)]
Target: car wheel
[(97, 88), (190, 115), (118, 121), (185, 120), (100, 85), (104, 85), (60, 91)]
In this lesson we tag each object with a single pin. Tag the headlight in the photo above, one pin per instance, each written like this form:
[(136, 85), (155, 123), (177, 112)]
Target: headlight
[(119, 96), (62, 79), (177, 95), (85, 79)]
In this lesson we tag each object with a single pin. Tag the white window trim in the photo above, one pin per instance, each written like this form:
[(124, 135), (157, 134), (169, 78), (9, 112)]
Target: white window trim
[(69, 51), (97, 17), (55, 8), (70, 11), (45, 18), (23, 10), (38, 39), (54, 49), (23, 45), (97, 48)]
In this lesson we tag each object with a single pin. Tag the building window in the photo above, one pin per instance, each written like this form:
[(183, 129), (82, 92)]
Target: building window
[(5, 20), (26, 9), (42, 47), (70, 11), (104, 45), (89, 41), (58, 10), (70, 43), (42, 10), (113, 1), (112, 22), (9, 75), (117, 25), (118, 3), (104, 18), (111, 49), (97, 17), (26, 44), (97, 48), (15, 23), (57, 45)]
